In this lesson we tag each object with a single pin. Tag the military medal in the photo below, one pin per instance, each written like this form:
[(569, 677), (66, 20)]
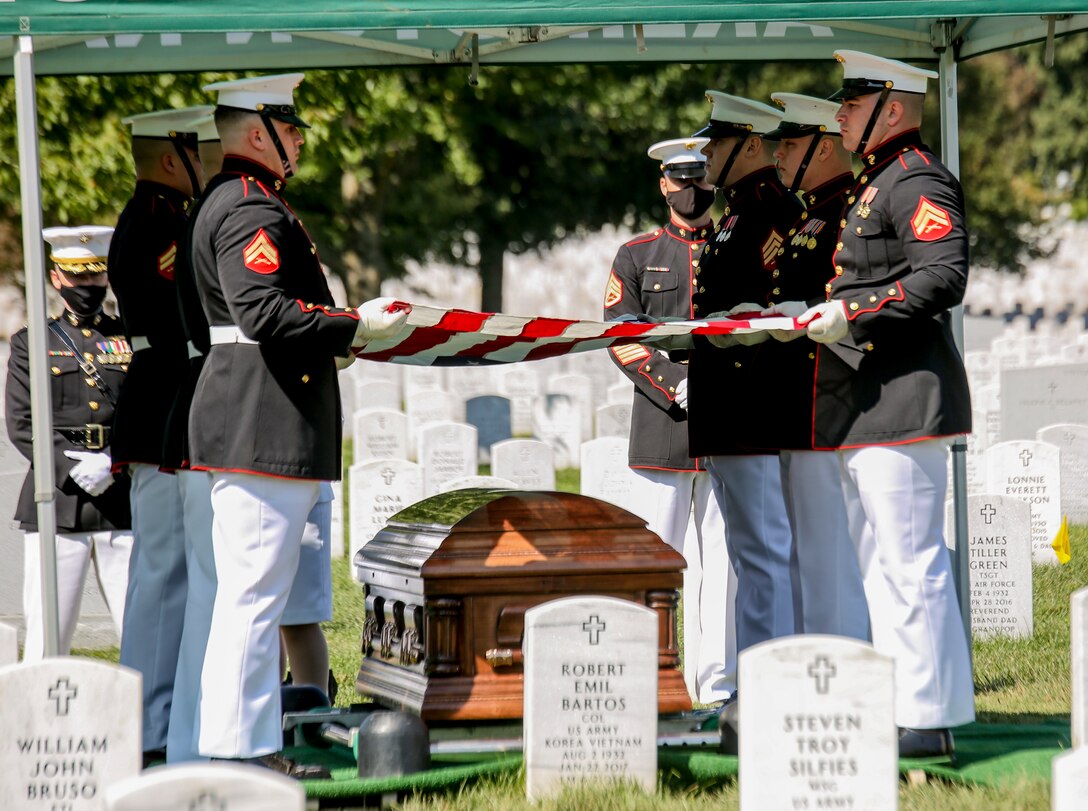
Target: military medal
[(866, 198)]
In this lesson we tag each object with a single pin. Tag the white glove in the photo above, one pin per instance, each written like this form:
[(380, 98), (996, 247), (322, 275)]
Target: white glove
[(343, 363), (682, 394), (827, 322), (786, 335), (377, 321), (748, 338), (745, 308), (752, 338), (789, 309), (723, 341), (92, 471)]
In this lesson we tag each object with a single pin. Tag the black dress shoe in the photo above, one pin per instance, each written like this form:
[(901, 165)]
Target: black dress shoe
[(926, 743), (153, 756), (728, 727), (284, 765)]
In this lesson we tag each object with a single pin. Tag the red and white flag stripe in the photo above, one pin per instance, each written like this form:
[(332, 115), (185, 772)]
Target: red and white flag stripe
[(436, 337)]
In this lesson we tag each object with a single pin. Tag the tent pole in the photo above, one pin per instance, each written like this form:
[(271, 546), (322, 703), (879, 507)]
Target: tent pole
[(41, 411), (950, 154)]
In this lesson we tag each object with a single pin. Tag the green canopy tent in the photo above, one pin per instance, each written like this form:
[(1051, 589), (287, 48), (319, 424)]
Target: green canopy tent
[(142, 36)]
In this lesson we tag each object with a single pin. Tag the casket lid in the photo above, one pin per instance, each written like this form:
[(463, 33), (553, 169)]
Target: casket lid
[(516, 531)]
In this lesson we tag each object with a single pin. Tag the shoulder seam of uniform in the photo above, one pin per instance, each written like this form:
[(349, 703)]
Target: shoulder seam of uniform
[(648, 237)]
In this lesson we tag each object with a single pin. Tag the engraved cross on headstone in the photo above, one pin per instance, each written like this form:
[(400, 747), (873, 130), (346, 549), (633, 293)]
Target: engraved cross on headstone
[(1053, 387), (988, 512), (593, 628), (821, 671), (62, 693), (388, 475), (208, 801), (1025, 456)]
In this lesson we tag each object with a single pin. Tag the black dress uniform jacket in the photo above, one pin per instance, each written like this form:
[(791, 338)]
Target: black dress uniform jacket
[(271, 408), (655, 274), (737, 266), (901, 265), (76, 404), (803, 268), (142, 262)]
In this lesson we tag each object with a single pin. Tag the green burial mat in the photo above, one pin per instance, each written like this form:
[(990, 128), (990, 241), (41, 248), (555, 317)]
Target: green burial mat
[(987, 754)]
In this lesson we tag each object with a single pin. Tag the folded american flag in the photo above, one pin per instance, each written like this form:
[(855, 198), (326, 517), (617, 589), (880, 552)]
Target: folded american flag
[(438, 337)]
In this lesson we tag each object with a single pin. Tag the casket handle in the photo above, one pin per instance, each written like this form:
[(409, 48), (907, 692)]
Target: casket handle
[(504, 657)]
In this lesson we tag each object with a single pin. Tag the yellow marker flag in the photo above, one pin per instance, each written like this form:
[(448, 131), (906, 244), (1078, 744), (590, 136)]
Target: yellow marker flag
[(1060, 544)]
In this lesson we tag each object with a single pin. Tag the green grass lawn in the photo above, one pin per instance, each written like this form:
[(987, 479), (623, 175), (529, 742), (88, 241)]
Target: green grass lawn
[(1016, 681)]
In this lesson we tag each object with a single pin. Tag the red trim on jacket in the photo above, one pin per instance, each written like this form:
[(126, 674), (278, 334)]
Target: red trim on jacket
[(852, 314)]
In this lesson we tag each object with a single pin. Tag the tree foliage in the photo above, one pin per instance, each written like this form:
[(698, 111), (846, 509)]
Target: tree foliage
[(413, 164)]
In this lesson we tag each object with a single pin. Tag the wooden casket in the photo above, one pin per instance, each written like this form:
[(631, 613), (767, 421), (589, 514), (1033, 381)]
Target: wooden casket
[(448, 581)]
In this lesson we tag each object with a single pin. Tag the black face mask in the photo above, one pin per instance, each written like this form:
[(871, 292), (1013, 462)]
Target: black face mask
[(691, 202), (85, 299)]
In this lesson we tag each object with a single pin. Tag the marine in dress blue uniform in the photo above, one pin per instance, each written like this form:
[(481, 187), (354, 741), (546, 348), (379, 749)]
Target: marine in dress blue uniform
[(144, 255), (813, 163), (655, 274), (88, 356), (891, 389), (736, 274), (265, 418)]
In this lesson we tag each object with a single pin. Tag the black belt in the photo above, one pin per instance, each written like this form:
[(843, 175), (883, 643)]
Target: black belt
[(92, 436)]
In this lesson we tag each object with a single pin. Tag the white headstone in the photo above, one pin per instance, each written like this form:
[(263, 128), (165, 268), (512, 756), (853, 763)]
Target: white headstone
[(422, 378), (521, 383), (9, 644), (556, 420), (1072, 441), (13, 467), (71, 728), (1030, 470), (380, 488), (607, 476), (579, 388), (621, 394), (470, 381), (590, 693), (380, 433), (526, 462), (1069, 780), (207, 787), (447, 451), (598, 367), (816, 726), (430, 405), (377, 385), (336, 529), (1037, 397), (491, 415), (999, 559), (1078, 605), (613, 420), (479, 482)]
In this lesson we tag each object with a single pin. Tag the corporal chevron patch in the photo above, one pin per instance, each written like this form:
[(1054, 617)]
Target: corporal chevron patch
[(167, 260), (261, 255), (630, 353), (614, 291), (770, 249), (930, 222)]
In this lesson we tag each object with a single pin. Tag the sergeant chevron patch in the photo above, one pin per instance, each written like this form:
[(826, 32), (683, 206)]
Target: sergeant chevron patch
[(629, 353), (770, 249), (260, 255), (614, 292), (167, 260), (930, 222)]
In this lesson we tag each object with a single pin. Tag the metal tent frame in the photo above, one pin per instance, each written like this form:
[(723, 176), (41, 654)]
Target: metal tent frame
[(107, 36)]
